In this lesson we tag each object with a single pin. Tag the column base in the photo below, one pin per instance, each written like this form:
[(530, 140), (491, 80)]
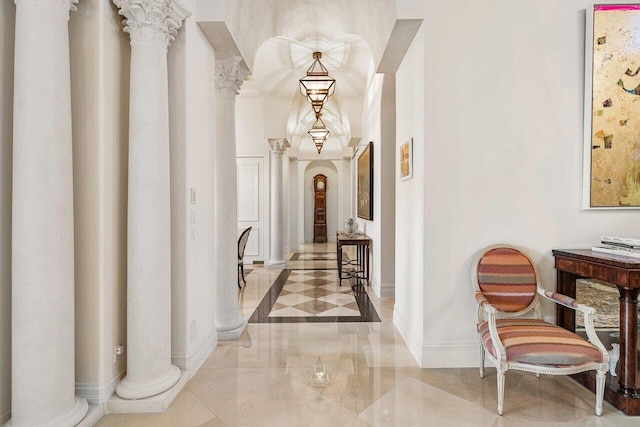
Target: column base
[(154, 404), (128, 389), (71, 418), (230, 333)]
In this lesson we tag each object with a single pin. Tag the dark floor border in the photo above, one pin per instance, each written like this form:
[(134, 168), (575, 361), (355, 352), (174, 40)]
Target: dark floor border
[(261, 314), (296, 256)]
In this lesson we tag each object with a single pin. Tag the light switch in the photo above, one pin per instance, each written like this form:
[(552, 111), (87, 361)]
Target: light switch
[(193, 196)]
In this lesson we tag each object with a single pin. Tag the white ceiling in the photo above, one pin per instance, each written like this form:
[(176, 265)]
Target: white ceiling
[(276, 39)]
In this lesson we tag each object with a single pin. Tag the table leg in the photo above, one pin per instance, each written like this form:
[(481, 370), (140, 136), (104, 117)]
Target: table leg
[(339, 256), (365, 248), (566, 285), (628, 341)]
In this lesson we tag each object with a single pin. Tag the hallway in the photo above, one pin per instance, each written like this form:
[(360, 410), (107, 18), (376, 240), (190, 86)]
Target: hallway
[(263, 379)]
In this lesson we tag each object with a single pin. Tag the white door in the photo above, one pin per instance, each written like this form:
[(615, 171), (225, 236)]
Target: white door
[(251, 206)]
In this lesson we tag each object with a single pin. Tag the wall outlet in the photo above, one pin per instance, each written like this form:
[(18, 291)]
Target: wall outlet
[(118, 350)]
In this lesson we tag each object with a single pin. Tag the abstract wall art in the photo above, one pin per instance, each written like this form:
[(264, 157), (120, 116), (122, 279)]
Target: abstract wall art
[(612, 111)]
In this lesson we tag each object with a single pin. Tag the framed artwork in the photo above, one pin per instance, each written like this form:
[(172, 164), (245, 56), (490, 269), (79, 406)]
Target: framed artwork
[(406, 159), (365, 183), (611, 169)]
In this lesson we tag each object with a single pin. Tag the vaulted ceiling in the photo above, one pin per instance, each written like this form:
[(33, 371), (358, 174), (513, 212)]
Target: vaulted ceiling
[(277, 38)]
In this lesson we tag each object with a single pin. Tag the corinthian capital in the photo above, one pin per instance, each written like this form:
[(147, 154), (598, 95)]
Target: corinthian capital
[(152, 20), (278, 145), (63, 6), (229, 76)]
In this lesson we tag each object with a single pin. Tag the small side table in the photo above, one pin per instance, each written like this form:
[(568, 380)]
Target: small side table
[(624, 273), (362, 243)]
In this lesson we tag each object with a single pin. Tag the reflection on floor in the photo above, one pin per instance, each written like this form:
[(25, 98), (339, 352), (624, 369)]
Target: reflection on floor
[(264, 379)]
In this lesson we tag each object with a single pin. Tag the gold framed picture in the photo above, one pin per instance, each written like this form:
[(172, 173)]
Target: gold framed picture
[(406, 160)]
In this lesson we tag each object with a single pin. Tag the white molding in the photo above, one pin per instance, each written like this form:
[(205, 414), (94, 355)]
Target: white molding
[(409, 335), (93, 416), (192, 361), (384, 290), (5, 417), (450, 355), (99, 394)]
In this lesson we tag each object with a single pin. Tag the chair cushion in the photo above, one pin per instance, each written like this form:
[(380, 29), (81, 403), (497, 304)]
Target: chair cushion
[(507, 279), (537, 342)]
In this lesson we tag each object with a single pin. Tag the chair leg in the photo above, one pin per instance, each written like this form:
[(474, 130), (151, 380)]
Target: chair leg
[(500, 391), (600, 380), (481, 361), (239, 285), (242, 271)]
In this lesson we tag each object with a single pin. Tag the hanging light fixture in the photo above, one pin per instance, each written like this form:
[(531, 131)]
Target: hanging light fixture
[(317, 85), (319, 130), (319, 143), (319, 133)]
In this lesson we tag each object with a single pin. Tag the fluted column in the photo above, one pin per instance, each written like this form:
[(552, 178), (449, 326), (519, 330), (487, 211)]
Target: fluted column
[(229, 78), (276, 246), (152, 25), (43, 341)]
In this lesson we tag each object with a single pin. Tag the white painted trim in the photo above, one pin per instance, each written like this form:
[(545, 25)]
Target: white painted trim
[(93, 415), (450, 355), (5, 417), (99, 394), (384, 290), (192, 361), (411, 338)]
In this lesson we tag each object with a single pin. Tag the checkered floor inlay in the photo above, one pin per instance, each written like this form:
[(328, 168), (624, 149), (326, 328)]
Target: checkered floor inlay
[(314, 293)]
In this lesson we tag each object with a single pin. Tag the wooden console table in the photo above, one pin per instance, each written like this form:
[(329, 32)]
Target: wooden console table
[(624, 273), (361, 242)]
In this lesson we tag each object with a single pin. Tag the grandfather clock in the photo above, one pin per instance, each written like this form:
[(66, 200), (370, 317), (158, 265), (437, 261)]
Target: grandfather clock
[(320, 209)]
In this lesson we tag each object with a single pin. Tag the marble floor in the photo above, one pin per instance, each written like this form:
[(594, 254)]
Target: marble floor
[(264, 379)]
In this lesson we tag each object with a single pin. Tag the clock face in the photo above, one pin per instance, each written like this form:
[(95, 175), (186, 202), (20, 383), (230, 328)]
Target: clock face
[(320, 185)]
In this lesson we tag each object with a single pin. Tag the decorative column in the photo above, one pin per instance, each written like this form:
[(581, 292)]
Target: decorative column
[(152, 25), (229, 78), (276, 247), (43, 341)]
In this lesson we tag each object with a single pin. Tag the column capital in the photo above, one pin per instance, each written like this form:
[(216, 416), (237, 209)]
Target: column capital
[(278, 145), (230, 75), (152, 20), (63, 6)]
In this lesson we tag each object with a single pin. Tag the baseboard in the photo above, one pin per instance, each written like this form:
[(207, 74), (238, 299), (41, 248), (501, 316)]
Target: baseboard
[(5, 417), (410, 337), (384, 290), (93, 415), (450, 355), (99, 394), (331, 239), (191, 362)]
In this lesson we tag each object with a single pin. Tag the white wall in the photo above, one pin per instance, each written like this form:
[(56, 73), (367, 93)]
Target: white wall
[(192, 126), (410, 227), (100, 142), (379, 126), (502, 154), (7, 18)]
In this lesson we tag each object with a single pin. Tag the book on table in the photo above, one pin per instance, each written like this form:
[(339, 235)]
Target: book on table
[(616, 250), (623, 242)]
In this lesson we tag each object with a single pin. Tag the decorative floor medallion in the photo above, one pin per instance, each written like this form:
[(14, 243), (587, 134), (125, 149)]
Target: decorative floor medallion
[(303, 296)]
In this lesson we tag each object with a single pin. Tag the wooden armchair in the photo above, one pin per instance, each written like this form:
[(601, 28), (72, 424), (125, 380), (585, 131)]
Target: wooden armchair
[(242, 243), (507, 287)]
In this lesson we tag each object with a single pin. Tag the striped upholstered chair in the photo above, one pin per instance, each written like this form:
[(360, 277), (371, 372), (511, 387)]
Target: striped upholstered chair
[(507, 287)]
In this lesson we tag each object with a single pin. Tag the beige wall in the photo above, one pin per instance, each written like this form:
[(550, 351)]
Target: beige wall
[(100, 88), (7, 18), (192, 126)]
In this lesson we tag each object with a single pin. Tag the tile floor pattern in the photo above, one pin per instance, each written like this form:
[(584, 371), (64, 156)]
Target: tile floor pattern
[(314, 293), (262, 379)]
